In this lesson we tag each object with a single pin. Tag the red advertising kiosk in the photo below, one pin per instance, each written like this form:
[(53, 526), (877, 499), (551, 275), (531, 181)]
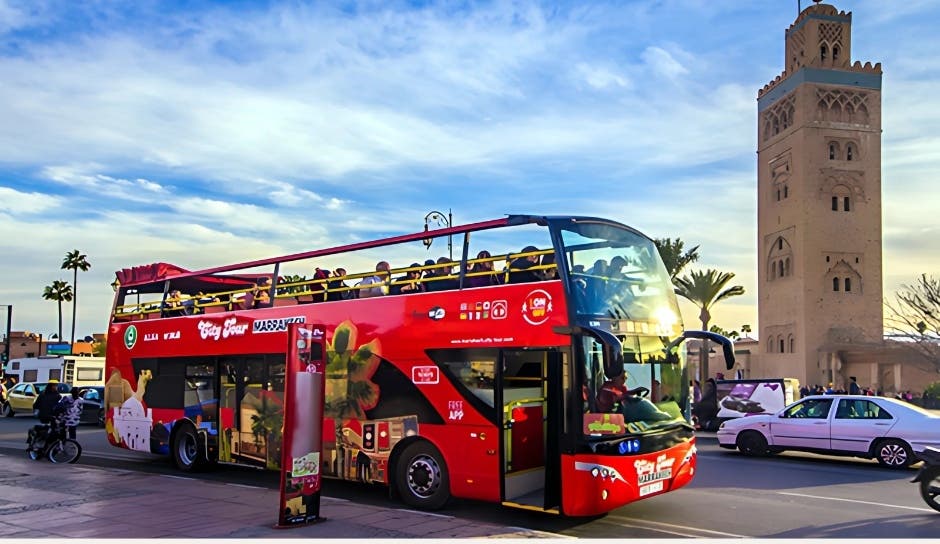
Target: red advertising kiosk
[(303, 426)]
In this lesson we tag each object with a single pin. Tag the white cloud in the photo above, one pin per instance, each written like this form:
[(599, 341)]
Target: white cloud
[(17, 202)]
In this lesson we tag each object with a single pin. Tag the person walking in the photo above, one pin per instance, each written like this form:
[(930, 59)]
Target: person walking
[(72, 406)]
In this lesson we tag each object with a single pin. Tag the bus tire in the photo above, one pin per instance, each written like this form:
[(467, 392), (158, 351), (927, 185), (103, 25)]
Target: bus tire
[(421, 477), (185, 448)]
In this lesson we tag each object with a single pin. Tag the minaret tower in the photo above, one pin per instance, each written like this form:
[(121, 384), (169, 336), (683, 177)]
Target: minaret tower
[(819, 202)]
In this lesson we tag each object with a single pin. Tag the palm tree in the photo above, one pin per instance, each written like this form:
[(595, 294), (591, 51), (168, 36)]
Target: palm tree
[(75, 261), (60, 291), (745, 329), (705, 289), (674, 256)]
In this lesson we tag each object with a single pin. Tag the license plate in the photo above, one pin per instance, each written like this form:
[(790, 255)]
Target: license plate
[(648, 489)]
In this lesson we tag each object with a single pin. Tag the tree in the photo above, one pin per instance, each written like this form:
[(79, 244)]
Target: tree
[(705, 289), (60, 291), (75, 261), (915, 317), (745, 329), (674, 256)]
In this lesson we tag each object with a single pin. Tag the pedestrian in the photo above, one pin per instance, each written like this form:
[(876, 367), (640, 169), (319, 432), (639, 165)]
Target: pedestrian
[(854, 389), (72, 406)]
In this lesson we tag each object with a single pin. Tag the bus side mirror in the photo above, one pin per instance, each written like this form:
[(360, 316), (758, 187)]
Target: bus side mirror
[(727, 347)]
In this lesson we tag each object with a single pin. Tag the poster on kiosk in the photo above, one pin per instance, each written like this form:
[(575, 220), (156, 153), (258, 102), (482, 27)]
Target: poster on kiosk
[(303, 426)]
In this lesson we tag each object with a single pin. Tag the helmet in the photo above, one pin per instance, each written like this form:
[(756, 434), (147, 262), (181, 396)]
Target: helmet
[(53, 381)]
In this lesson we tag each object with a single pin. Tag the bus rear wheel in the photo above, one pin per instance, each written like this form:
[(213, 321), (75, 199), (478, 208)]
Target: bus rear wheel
[(422, 478), (186, 450)]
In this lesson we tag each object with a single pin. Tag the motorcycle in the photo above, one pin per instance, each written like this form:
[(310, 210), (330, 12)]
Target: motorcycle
[(49, 441), (929, 477)]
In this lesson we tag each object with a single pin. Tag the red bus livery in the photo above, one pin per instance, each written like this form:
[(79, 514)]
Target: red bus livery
[(486, 377)]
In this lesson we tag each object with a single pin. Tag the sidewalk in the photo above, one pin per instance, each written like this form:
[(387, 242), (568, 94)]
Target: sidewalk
[(39, 499)]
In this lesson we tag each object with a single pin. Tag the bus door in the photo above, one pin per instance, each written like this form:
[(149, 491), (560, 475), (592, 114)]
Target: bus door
[(527, 382), (251, 409)]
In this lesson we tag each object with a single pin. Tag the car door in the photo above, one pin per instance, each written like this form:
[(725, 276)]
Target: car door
[(803, 425), (91, 405), (22, 397), (857, 422)]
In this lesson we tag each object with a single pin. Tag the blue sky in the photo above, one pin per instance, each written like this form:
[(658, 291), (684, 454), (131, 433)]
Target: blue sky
[(203, 133)]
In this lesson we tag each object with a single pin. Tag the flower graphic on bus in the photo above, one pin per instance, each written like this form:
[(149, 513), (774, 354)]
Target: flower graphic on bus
[(349, 369)]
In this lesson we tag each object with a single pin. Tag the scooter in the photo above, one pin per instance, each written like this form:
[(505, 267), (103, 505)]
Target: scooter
[(929, 477)]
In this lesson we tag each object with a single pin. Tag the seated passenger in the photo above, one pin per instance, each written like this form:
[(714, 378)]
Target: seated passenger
[(409, 283), (319, 286), (178, 304), (379, 280), (260, 296), (519, 268), (551, 270), (336, 288), (482, 274), (443, 278)]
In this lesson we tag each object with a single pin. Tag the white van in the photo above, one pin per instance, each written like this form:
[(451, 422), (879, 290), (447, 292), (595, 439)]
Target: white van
[(71, 369)]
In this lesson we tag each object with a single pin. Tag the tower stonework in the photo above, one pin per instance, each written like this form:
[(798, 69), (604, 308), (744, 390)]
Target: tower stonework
[(819, 205)]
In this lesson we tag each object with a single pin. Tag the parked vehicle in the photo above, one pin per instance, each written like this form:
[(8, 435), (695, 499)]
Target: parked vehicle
[(92, 405), (929, 477), (49, 441), (20, 399), (885, 429), (71, 369)]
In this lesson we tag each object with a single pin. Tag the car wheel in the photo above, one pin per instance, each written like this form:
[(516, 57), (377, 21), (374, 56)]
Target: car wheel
[(422, 478), (894, 453), (7, 410), (752, 444)]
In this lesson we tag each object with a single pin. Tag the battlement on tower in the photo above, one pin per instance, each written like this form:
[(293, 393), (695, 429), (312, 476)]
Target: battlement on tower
[(818, 9), (857, 66)]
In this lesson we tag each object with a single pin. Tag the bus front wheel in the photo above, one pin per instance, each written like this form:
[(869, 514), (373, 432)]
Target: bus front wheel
[(186, 449), (422, 478)]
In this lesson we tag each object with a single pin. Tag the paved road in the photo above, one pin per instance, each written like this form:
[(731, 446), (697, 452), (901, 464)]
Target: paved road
[(786, 496)]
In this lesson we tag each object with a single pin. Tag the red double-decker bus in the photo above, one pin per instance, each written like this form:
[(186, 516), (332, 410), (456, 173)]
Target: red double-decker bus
[(486, 376)]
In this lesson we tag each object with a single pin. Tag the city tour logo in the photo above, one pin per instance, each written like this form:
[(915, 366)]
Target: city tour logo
[(130, 337)]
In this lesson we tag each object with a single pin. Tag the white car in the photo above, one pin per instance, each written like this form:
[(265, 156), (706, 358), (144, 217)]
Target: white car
[(888, 430)]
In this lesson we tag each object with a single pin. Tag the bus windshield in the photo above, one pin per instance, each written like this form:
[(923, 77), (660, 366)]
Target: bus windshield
[(616, 273)]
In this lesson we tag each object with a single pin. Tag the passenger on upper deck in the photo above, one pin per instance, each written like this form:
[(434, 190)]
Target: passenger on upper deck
[(178, 304), (261, 294), (409, 283), (379, 280), (439, 280), (486, 275), (320, 284), (519, 268), (337, 288), (551, 271)]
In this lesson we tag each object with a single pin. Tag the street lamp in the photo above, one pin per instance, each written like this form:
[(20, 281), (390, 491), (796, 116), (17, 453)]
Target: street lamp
[(6, 338), (440, 220)]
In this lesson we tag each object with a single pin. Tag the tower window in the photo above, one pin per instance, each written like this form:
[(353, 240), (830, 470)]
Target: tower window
[(792, 344), (835, 53), (778, 195), (835, 284), (781, 345), (835, 203), (856, 260), (848, 152), (845, 203), (823, 52), (832, 151), (786, 192), (786, 268), (779, 243), (827, 258), (848, 284), (780, 268)]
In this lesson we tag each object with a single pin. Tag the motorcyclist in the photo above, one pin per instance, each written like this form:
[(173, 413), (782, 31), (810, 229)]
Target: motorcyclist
[(46, 402)]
